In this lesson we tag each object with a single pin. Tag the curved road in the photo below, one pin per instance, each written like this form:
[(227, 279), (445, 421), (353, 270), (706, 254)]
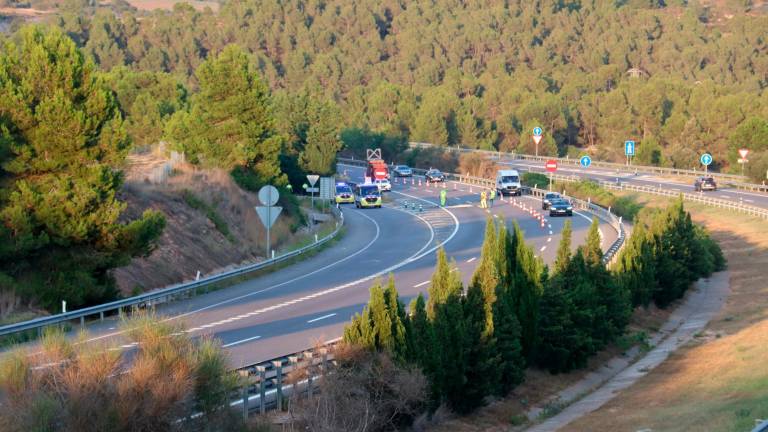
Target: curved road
[(291, 309)]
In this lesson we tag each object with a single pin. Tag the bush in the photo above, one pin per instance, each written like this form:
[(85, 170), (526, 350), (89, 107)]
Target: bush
[(248, 180), (73, 385), (476, 165), (432, 157), (198, 204), (532, 179)]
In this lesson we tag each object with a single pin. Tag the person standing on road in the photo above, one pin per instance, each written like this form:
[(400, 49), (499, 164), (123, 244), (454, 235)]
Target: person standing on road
[(483, 202), (492, 196), (443, 197)]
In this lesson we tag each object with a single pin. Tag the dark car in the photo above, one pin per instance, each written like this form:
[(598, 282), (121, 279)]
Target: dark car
[(403, 171), (560, 207), (548, 198), (704, 183), (434, 176)]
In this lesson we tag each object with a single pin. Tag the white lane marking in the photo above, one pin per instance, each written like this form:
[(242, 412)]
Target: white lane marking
[(550, 232), (421, 284), (240, 341), (321, 318), (542, 248), (725, 196), (234, 299), (549, 239), (748, 200), (471, 259), (550, 227)]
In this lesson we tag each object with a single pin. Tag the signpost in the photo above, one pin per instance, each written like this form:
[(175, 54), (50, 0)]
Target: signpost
[(585, 161), (312, 189), (551, 166), (706, 159), (537, 138), (629, 150), (743, 160), (268, 212)]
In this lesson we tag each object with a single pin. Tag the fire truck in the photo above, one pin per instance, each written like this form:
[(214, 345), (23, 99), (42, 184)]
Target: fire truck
[(377, 170)]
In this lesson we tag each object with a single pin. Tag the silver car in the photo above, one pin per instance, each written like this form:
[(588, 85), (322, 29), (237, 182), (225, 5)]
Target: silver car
[(403, 171)]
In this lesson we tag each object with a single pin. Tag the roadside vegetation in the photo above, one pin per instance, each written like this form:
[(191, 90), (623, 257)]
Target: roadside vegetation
[(474, 343), (165, 381)]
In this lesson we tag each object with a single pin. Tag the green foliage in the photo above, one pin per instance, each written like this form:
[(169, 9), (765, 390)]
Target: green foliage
[(625, 206), (532, 179), (231, 123), (196, 203), (564, 249), (61, 232), (357, 141)]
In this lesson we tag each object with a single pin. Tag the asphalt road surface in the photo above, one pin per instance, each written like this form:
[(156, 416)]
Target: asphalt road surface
[(310, 302)]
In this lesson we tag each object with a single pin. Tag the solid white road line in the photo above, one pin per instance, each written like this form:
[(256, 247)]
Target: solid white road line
[(240, 341), (749, 200), (471, 259), (322, 317), (421, 284)]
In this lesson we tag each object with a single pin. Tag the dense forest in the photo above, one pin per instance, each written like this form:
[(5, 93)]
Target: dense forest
[(678, 77)]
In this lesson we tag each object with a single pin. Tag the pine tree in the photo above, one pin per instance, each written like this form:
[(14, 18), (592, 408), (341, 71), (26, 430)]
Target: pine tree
[(508, 342), (593, 254), (635, 266), (381, 320), (62, 142), (323, 142), (557, 335), (451, 366), (586, 314), (564, 250)]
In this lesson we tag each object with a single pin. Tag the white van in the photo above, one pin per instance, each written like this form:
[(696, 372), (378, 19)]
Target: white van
[(508, 182)]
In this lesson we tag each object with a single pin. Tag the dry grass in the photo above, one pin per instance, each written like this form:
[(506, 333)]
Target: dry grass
[(718, 382), (168, 4)]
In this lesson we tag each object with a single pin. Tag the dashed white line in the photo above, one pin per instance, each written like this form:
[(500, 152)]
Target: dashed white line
[(471, 259), (322, 317), (241, 341), (550, 232), (748, 200), (549, 239), (421, 284), (542, 248)]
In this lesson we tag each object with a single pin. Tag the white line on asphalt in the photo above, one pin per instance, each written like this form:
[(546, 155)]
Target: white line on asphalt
[(725, 196), (550, 227), (550, 232), (421, 284), (471, 259), (240, 341), (542, 248), (549, 239), (748, 200), (322, 317)]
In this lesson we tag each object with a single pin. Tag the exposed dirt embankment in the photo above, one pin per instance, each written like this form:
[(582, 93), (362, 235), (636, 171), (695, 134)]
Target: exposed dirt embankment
[(191, 240)]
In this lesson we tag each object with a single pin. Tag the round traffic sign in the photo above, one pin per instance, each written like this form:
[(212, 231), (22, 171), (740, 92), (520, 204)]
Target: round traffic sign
[(268, 195), (551, 165), (585, 161), (537, 131), (706, 159)]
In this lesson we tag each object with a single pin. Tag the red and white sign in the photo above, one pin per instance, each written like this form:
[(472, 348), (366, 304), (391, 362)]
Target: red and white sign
[(551, 165), (536, 138), (743, 153)]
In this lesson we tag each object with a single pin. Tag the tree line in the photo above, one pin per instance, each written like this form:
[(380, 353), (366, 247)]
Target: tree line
[(674, 76), (516, 312), (65, 131)]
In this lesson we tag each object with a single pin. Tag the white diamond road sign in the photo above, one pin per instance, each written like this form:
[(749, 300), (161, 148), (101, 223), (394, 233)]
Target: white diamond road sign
[(268, 214), (629, 148), (312, 179)]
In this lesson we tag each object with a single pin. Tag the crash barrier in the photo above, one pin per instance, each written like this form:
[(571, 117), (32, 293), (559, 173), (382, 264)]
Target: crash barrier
[(164, 295), (485, 183), (733, 180)]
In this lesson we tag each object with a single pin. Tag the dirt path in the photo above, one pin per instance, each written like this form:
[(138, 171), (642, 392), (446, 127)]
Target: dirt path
[(701, 305)]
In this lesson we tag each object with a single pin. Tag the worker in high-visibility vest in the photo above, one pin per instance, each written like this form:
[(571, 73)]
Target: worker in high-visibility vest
[(492, 196), (443, 197), (483, 200)]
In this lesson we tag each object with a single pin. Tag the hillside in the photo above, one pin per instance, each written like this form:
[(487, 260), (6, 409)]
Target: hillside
[(191, 240)]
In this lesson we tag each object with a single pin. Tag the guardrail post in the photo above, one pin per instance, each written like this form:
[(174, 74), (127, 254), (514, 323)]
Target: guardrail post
[(244, 375), (262, 370), (308, 356), (82, 321), (101, 316), (279, 383), (293, 362), (323, 361)]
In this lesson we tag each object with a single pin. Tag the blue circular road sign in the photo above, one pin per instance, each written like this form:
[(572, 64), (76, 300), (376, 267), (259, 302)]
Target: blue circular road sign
[(706, 159), (585, 161), (537, 131)]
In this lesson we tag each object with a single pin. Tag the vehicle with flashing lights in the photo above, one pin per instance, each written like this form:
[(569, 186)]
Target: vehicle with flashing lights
[(367, 195), (344, 193), (377, 170)]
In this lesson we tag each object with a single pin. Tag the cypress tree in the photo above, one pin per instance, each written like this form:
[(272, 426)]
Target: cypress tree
[(586, 311), (421, 339), (564, 250), (593, 254), (557, 334), (527, 289), (450, 336), (381, 321), (444, 283), (635, 268), (507, 332), (398, 318)]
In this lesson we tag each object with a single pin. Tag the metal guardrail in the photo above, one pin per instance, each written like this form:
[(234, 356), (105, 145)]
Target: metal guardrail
[(761, 427), (605, 214), (737, 181), (165, 294), (700, 197)]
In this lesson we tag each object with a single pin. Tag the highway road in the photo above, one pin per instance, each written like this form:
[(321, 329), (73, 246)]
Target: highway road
[(757, 199), (309, 302)]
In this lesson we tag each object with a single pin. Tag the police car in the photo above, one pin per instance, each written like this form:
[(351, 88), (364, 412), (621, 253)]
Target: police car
[(344, 194)]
